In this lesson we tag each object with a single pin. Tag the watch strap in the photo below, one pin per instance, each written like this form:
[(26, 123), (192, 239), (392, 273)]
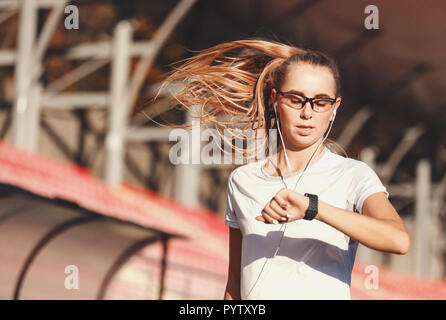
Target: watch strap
[(312, 208)]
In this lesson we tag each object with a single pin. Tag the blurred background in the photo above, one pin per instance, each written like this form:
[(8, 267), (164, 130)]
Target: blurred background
[(92, 208)]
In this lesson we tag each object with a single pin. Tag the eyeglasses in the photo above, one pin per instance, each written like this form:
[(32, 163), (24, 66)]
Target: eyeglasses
[(297, 101)]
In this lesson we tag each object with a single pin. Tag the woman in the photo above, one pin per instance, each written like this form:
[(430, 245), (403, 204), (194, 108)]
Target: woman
[(295, 217)]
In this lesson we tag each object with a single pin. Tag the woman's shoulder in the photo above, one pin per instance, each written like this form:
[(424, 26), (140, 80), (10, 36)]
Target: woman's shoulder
[(347, 163), (246, 171)]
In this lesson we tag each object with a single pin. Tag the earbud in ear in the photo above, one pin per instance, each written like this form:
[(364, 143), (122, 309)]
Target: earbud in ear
[(334, 115), (275, 111)]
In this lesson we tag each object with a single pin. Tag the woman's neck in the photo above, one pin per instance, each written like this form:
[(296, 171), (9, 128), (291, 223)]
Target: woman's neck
[(298, 158)]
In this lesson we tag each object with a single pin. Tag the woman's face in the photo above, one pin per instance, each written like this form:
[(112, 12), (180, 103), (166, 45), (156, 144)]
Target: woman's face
[(309, 81)]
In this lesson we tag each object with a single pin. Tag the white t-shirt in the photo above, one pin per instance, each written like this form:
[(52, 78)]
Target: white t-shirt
[(314, 260)]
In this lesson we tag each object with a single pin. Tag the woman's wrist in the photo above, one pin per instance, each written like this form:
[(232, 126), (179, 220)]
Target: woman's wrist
[(321, 209)]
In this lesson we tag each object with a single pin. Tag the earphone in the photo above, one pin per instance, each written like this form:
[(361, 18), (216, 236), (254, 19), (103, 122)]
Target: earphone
[(289, 167)]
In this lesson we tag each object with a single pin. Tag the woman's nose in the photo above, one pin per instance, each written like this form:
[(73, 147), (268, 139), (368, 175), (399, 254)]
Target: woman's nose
[(307, 110)]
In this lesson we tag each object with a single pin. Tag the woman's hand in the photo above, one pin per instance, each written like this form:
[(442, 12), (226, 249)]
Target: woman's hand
[(285, 206)]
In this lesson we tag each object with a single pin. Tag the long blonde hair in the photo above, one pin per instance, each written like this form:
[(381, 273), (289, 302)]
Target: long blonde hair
[(234, 79)]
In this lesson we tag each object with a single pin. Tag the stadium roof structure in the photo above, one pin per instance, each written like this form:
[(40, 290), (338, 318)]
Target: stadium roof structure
[(55, 214)]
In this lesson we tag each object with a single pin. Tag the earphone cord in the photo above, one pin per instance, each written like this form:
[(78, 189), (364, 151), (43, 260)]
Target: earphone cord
[(285, 224)]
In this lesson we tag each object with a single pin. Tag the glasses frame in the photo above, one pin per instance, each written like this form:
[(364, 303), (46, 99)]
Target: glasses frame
[(306, 99)]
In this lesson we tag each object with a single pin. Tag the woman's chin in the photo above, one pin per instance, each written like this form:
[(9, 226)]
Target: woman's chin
[(301, 143), (304, 138)]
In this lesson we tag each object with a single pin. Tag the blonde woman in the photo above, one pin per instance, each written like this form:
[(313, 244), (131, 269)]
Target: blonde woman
[(295, 217)]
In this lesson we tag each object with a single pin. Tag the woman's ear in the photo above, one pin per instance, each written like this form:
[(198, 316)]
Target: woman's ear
[(338, 102), (273, 95), (336, 107)]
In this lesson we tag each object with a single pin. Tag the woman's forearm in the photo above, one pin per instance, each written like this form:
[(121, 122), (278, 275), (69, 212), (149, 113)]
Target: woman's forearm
[(382, 235)]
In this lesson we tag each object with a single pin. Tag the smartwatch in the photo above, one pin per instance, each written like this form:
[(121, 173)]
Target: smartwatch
[(312, 208)]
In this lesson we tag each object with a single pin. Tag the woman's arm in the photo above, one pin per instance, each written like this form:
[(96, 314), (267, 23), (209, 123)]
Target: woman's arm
[(379, 227), (232, 291)]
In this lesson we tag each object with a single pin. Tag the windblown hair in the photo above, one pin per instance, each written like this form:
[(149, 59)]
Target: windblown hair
[(234, 80)]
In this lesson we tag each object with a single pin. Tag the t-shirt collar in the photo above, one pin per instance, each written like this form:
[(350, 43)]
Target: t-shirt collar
[(315, 160)]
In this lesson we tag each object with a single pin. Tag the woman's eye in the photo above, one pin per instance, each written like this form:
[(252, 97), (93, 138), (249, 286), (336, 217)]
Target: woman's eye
[(296, 100), (321, 103)]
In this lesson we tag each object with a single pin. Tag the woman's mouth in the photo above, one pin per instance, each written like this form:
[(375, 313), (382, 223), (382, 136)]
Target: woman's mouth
[(304, 130)]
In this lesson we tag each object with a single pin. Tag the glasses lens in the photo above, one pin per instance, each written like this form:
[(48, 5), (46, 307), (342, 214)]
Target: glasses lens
[(321, 105), (294, 101)]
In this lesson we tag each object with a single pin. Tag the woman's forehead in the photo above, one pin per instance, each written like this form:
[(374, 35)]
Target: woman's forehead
[(309, 79)]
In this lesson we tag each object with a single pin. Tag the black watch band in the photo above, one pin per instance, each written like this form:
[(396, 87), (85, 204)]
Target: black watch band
[(312, 208)]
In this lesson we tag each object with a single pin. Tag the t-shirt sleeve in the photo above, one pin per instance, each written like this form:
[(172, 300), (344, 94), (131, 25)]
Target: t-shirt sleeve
[(367, 183), (230, 216)]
